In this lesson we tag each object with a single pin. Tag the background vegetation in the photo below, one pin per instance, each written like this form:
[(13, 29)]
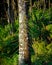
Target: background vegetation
[(40, 31)]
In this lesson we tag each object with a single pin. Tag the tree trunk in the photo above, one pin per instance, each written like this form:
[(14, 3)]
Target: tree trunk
[(24, 57), (10, 12), (13, 9), (12, 15)]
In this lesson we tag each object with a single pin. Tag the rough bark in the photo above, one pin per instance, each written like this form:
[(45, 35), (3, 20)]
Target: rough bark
[(24, 57)]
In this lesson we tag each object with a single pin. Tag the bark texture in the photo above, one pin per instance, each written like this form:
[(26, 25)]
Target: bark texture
[(23, 33)]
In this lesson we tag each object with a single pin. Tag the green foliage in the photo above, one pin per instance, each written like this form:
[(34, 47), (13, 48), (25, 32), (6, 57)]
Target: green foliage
[(40, 30), (38, 25), (9, 61), (9, 45), (43, 53), (4, 32), (8, 42)]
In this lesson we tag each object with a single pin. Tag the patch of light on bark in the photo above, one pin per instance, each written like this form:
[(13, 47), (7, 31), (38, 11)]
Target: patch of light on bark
[(21, 18), (20, 35), (27, 38), (21, 44), (8, 20), (21, 52), (22, 31), (21, 40), (21, 49), (21, 57)]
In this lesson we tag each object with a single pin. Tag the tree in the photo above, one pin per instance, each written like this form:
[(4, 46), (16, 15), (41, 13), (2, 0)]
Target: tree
[(10, 12), (24, 57)]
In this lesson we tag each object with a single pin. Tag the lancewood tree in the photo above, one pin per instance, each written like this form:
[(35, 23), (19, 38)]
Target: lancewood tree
[(24, 57)]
